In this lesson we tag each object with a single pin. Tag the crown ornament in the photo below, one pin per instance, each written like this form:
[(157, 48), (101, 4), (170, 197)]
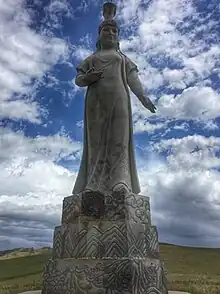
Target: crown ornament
[(109, 12)]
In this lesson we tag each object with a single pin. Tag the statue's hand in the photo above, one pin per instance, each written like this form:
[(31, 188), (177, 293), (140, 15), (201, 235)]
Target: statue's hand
[(148, 104), (93, 76)]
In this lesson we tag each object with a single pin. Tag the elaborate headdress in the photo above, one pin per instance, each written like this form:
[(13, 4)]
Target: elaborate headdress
[(109, 11)]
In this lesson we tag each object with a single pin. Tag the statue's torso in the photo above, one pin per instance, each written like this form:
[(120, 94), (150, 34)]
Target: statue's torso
[(111, 62), (111, 88)]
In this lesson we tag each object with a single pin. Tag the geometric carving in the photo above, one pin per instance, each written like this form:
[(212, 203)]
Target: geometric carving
[(104, 276), (152, 243), (106, 245), (135, 208), (105, 239), (71, 208)]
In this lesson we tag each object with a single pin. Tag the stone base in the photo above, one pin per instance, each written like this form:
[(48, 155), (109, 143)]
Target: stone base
[(102, 276), (106, 244), (113, 207), (104, 239), (40, 292)]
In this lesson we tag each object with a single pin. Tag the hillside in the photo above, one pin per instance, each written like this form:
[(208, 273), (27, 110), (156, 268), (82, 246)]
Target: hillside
[(21, 252), (196, 270)]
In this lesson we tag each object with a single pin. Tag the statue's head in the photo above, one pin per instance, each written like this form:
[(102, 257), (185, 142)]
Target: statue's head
[(108, 37), (108, 30)]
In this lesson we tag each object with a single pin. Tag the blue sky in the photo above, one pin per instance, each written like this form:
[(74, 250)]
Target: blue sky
[(175, 44)]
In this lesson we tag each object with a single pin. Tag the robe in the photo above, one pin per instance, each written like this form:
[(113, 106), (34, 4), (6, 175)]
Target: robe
[(108, 151)]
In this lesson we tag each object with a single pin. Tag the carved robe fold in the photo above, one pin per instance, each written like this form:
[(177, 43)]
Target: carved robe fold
[(108, 150)]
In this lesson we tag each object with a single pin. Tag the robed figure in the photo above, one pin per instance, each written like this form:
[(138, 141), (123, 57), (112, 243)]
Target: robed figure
[(108, 160)]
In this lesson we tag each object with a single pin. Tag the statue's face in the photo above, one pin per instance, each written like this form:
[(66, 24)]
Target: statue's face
[(109, 36)]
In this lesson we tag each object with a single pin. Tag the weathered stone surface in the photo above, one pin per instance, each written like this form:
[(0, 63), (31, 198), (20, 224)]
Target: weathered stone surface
[(98, 239), (112, 207), (111, 228), (104, 242), (40, 292), (70, 276)]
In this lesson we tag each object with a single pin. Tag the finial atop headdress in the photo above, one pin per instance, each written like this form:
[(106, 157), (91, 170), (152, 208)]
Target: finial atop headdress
[(109, 12)]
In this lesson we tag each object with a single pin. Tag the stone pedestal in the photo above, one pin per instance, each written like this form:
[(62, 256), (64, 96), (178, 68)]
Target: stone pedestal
[(105, 245)]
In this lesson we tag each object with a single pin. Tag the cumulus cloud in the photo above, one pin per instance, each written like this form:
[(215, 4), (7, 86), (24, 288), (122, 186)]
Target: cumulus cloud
[(194, 103), (25, 56), (33, 185), (186, 207), (176, 62), (184, 190), (56, 11), (191, 152), (173, 58), (80, 52), (141, 126), (170, 57), (16, 145)]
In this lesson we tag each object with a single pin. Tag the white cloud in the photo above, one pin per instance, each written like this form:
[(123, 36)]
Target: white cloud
[(191, 152), (80, 52), (56, 11), (210, 125), (185, 200), (188, 204), (33, 184), (20, 109), (43, 148), (183, 126), (141, 126), (184, 188), (158, 32), (25, 55), (194, 103), (203, 63)]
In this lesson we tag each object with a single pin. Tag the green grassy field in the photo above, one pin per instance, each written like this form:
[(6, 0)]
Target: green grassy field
[(195, 270)]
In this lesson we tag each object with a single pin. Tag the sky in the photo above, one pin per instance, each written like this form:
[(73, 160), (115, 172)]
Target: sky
[(176, 46)]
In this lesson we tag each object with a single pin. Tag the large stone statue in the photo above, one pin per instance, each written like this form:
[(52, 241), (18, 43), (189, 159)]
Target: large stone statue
[(108, 156), (106, 243)]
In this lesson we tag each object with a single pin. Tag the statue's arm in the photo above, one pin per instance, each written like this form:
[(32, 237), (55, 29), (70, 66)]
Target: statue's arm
[(86, 74), (135, 85), (81, 70), (80, 80)]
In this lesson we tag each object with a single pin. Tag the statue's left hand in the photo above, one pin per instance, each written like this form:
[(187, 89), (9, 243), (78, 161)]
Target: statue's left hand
[(148, 104)]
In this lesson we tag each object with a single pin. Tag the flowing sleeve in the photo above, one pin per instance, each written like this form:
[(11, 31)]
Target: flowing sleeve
[(133, 80), (81, 70), (85, 65), (130, 66)]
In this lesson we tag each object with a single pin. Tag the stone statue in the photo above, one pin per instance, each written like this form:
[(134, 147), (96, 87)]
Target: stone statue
[(108, 160), (106, 242)]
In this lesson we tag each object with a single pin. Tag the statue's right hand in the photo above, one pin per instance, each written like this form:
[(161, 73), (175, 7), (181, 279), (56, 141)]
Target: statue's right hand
[(93, 76)]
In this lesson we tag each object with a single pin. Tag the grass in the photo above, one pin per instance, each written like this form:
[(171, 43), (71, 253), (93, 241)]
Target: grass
[(22, 274), (194, 270)]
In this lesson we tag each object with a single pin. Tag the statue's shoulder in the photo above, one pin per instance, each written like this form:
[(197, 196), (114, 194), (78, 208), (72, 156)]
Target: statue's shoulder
[(130, 65), (86, 64), (90, 57), (128, 60), (87, 59)]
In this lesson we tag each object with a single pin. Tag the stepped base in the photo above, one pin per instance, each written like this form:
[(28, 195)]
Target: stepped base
[(40, 292), (105, 245), (104, 239), (117, 206), (104, 276)]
